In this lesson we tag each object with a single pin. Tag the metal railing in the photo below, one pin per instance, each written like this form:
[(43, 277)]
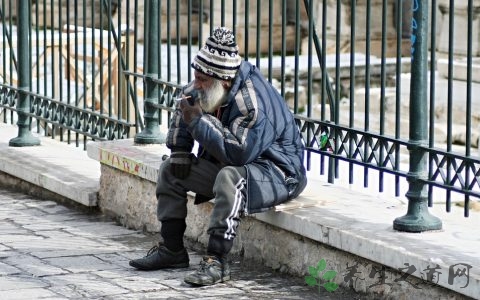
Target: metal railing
[(380, 89)]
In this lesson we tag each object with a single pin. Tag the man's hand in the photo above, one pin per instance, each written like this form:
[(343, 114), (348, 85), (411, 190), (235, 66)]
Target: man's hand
[(190, 112), (180, 164)]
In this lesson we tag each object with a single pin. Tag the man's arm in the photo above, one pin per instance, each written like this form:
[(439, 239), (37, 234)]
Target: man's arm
[(244, 139)]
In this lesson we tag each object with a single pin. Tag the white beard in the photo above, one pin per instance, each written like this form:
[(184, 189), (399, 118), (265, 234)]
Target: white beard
[(213, 98)]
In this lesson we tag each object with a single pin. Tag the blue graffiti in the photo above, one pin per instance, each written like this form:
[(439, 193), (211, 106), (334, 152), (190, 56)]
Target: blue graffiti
[(413, 37)]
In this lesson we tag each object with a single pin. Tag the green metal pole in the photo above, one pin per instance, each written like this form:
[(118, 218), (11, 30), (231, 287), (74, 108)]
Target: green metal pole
[(418, 218), (151, 133), (25, 137)]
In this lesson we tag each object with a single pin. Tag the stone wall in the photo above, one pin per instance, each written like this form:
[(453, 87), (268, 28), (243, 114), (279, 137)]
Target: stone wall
[(131, 201)]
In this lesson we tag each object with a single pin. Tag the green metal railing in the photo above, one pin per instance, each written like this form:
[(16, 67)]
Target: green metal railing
[(374, 86)]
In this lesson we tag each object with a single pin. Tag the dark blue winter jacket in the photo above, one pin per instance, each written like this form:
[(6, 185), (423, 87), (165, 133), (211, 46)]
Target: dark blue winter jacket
[(255, 129)]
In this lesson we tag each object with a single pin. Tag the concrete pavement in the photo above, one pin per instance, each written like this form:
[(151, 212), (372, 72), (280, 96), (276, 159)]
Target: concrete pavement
[(51, 251)]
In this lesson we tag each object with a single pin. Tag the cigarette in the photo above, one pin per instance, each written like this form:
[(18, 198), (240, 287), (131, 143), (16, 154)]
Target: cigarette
[(181, 98)]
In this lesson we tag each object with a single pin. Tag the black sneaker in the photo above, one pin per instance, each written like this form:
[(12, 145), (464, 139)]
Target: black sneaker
[(211, 271), (159, 257)]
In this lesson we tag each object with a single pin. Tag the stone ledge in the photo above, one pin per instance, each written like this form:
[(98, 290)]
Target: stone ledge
[(57, 167), (323, 220)]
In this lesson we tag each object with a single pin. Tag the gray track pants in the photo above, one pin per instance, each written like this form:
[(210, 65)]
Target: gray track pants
[(225, 184)]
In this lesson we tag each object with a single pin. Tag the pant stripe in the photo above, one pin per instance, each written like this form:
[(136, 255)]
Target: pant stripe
[(231, 222)]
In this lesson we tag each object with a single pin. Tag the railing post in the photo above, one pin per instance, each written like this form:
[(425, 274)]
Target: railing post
[(25, 137), (418, 218), (151, 133)]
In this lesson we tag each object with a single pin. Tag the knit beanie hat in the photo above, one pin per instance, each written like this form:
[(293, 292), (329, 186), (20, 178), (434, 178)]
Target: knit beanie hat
[(219, 56)]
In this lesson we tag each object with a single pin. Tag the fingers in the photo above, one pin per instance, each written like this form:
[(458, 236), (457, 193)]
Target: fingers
[(185, 103)]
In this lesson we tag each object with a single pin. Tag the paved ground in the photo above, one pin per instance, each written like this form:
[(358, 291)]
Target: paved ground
[(51, 251)]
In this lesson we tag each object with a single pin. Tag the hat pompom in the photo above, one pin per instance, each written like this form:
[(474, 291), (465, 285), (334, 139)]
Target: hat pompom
[(223, 36)]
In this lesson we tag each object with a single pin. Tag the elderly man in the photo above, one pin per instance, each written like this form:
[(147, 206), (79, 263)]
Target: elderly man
[(250, 157)]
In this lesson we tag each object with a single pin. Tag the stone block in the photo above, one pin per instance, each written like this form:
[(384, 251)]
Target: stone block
[(179, 31), (360, 14), (264, 46), (254, 25), (50, 14), (460, 25), (130, 198)]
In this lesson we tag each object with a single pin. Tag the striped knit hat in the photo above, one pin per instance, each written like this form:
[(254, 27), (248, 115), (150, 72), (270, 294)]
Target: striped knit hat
[(219, 56)]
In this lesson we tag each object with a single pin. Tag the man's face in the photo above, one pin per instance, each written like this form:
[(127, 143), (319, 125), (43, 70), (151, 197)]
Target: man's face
[(211, 91)]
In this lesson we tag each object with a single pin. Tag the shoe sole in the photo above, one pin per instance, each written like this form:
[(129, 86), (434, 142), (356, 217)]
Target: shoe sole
[(143, 268), (197, 283)]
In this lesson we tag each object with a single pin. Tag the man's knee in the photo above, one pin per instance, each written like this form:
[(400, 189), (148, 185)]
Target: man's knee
[(230, 175)]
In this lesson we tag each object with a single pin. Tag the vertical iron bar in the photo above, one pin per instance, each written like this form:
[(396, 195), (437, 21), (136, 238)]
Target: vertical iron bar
[(169, 41), (60, 64), (45, 69), (418, 218), (296, 56), (4, 57), (222, 13), (284, 46), (109, 62), (84, 92), (37, 51), (325, 78), (336, 112), (134, 66), (94, 66), (234, 18), (151, 133), (177, 42), (366, 149), (433, 60), (451, 49), (246, 26), (309, 60), (351, 117), (189, 37), (398, 90), (383, 84), (68, 71), (200, 25), (270, 40), (323, 90), (75, 43), (25, 137), (212, 17), (120, 78), (258, 30), (468, 133)]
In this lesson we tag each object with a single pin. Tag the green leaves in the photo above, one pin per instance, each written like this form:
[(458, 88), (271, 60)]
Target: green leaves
[(316, 277), (330, 286), (329, 275), (310, 280), (322, 264)]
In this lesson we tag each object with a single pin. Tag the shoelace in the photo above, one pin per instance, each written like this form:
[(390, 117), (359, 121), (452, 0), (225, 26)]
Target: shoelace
[(206, 262), (152, 250)]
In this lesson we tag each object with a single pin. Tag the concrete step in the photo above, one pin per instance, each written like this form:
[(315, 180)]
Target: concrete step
[(58, 167)]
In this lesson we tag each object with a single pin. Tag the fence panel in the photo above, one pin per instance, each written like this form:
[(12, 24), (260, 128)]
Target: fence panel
[(103, 69)]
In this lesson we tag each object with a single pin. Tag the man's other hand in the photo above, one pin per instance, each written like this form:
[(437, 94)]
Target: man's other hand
[(180, 164)]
